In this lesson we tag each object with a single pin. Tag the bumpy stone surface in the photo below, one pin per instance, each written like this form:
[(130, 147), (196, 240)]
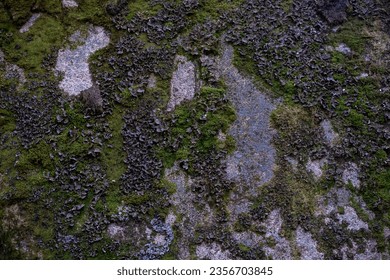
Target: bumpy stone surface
[(69, 3), (330, 135), (307, 246), (351, 175), (253, 161), (74, 63), (183, 82)]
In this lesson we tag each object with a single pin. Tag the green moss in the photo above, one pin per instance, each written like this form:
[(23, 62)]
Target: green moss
[(7, 122), (197, 123), (351, 34), (113, 155), (28, 49), (286, 5), (142, 8)]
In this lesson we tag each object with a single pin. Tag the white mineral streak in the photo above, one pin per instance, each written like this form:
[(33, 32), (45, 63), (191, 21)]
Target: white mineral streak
[(26, 27), (74, 63)]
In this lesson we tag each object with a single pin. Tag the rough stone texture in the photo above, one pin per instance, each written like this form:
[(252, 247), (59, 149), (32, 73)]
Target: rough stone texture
[(69, 4), (211, 252), (273, 225), (116, 232), (336, 199), (351, 175), (183, 83), (26, 27), (307, 246), (253, 161), (315, 167), (74, 63), (330, 135)]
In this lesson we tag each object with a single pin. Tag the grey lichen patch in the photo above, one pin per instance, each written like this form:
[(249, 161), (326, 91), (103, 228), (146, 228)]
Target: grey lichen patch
[(26, 27), (253, 161), (183, 83), (316, 167), (282, 248), (211, 251), (351, 175), (330, 135), (329, 206), (307, 246), (343, 48), (116, 232), (69, 4), (369, 251), (74, 63)]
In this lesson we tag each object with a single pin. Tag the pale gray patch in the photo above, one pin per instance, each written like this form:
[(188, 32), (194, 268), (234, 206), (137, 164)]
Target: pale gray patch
[(152, 81), (273, 225), (340, 198), (362, 76), (386, 232), (116, 232), (74, 63), (351, 175), (183, 83), (330, 135), (307, 246), (315, 167), (211, 251), (343, 48), (26, 27), (370, 251), (248, 238), (253, 161), (69, 4), (352, 219)]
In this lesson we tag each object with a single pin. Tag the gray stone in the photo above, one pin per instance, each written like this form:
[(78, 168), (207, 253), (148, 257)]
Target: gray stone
[(253, 161), (330, 135), (351, 175), (26, 27), (183, 83), (282, 249), (74, 63), (211, 252), (307, 246), (69, 4), (343, 48), (315, 167)]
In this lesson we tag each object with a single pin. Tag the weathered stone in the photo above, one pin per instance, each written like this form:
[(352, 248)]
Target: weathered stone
[(183, 83), (351, 175), (307, 246), (74, 63)]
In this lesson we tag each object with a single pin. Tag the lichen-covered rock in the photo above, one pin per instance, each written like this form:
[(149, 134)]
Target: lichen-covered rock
[(74, 63), (183, 83)]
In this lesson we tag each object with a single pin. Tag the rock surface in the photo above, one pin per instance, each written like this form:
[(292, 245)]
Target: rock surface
[(74, 63)]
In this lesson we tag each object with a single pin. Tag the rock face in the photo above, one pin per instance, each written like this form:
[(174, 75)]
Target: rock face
[(69, 4), (74, 63), (253, 161), (183, 82)]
